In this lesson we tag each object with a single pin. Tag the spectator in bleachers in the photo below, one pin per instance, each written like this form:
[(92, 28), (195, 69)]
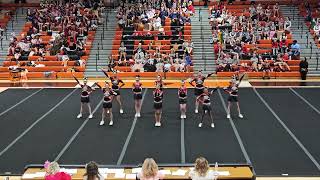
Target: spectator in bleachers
[(295, 50), (303, 68), (92, 172), (53, 172), (201, 170), (150, 171)]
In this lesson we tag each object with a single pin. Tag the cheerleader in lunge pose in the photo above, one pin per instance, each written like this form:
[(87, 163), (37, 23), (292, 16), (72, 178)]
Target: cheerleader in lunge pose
[(85, 96), (108, 95), (182, 94), (116, 85), (157, 97), (232, 90), (204, 98), (198, 87), (137, 95)]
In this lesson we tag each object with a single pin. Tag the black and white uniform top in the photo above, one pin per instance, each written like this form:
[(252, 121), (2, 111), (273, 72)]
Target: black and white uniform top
[(115, 85), (85, 92), (182, 93), (198, 90), (107, 97), (137, 90), (206, 102), (157, 98), (232, 90), (159, 82)]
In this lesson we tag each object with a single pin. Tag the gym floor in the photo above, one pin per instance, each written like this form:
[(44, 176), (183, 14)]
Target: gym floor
[(278, 134)]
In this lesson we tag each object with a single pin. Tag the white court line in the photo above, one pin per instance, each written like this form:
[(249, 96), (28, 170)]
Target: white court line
[(183, 149), (125, 146), (289, 131), (23, 100), (306, 101), (35, 123), (76, 133), (234, 128)]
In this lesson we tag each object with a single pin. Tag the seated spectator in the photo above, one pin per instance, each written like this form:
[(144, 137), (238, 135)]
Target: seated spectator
[(280, 65), (294, 50), (201, 170), (150, 171), (92, 172), (52, 172), (254, 62)]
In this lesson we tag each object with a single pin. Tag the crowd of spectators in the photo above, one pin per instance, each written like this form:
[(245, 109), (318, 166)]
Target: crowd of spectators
[(237, 36), (155, 21), (57, 29)]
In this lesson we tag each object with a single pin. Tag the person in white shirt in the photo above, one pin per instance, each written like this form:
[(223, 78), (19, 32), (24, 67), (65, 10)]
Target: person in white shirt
[(201, 170), (150, 171)]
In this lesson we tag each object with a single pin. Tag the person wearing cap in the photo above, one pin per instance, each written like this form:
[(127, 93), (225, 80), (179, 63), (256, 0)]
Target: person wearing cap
[(182, 94), (204, 98), (108, 95), (198, 87), (232, 90), (137, 95), (85, 96)]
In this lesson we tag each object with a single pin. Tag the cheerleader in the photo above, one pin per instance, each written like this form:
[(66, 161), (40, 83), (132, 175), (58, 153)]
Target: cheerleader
[(199, 81), (159, 81), (108, 95), (116, 85), (85, 99), (182, 94), (157, 97), (137, 95), (204, 98), (232, 90)]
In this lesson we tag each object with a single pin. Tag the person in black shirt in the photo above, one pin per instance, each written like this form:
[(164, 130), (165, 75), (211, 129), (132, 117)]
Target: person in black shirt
[(108, 95), (232, 90), (204, 98), (137, 95), (157, 99), (85, 96), (116, 84), (198, 86), (182, 94), (303, 68)]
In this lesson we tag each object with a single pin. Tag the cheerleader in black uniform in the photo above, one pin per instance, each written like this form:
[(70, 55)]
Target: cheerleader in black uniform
[(137, 95), (108, 95), (182, 94), (116, 85), (157, 99), (204, 98), (85, 99), (232, 90), (198, 87)]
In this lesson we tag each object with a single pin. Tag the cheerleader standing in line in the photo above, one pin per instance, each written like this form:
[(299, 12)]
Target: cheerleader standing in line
[(137, 95), (159, 81), (198, 87), (182, 94), (157, 99), (116, 85), (204, 98), (232, 90), (85, 96), (108, 95)]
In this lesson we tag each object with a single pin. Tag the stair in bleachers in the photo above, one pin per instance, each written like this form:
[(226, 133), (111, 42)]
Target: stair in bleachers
[(104, 42), (203, 56), (300, 32), (15, 25)]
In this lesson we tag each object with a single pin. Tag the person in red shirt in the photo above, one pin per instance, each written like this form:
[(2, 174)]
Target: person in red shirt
[(53, 172)]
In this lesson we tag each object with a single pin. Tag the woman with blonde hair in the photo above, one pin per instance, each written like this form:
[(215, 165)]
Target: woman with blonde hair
[(150, 171), (53, 172), (201, 170)]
